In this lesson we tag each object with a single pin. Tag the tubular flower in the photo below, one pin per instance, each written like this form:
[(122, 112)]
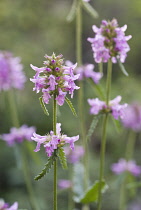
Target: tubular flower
[(110, 42), (5, 206), (132, 117), (54, 79), (51, 141), (124, 165), (11, 74), (86, 71), (18, 135), (116, 109)]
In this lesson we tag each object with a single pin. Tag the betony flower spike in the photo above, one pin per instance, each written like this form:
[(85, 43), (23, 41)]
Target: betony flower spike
[(109, 42), (55, 79)]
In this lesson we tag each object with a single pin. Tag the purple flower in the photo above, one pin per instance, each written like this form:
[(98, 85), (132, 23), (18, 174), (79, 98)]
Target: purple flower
[(11, 74), (109, 42), (64, 184), (86, 71), (124, 165), (132, 117), (55, 78), (5, 206), (116, 109), (74, 156), (51, 141), (18, 135)]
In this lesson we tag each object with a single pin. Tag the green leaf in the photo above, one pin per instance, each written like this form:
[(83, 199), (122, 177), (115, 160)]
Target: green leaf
[(92, 194), (47, 167), (72, 12), (43, 106), (98, 88), (117, 124), (91, 11), (122, 68), (71, 106), (133, 185), (62, 158), (93, 125)]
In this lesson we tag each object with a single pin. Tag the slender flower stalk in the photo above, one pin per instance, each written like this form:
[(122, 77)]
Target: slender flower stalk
[(103, 143), (55, 162)]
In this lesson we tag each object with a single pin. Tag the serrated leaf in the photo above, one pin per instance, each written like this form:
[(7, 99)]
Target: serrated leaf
[(43, 106), (92, 194), (93, 125), (72, 12), (91, 11), (122, 68), (47, 167), (62, 158), (71, 106)]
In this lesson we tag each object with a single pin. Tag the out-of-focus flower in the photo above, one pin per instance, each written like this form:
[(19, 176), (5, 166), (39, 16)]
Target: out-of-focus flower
[(11, 74), (86, 71), (124, 165), (73, 156), (5, 206), (55, 79), (132, 117), (64, 184), (116, 109), (18, 135), (109, 42), (51, 141), (86, 0)]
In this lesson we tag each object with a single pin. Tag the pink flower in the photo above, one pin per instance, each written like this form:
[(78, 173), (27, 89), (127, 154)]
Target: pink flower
[(5, 206), (74, 156), (51, 141), (64, 184)]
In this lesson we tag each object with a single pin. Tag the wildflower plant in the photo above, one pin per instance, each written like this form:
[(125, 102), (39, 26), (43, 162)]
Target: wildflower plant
[(6, 206), (55, 80)]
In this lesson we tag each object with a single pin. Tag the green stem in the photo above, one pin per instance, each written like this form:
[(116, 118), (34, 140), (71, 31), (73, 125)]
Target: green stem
[(122, 199), (108, 84), (103, 143), (100, 65), (102, 159), (79, 34), (13, 110), (70, 193), (55, 162), (130, 145)]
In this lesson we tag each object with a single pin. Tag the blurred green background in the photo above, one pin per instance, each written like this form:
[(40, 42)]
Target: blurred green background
[(32, 28)]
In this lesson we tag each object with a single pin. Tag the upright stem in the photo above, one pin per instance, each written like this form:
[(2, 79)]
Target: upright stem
[(130, 145), (80, 94), (55, 162), (103, 143)]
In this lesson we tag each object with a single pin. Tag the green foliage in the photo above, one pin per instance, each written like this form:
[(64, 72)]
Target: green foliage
[(62, 158), (93, 125), (43, 106), (47, 167), (71, 106), (122, 68), (90, 10), (72, 12), (92, 194)]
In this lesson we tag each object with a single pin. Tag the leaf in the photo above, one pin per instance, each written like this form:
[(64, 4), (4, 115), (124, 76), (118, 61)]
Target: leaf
[(71, 106), (91, 11), (98, 88), (43, 106), (72, 12), (92, 194), (47, 167), (117, 125), (62, 158), (122, 68), (93, 125), (133, 185)]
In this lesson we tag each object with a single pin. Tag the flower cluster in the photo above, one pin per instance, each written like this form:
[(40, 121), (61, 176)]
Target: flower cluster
[(5, 206), (124, 165), (64, 184), (54, 79), (109, 42), (18, 135), (73, 156), (116, 109), (11, 74), (132, 117), (53, 141), (86, 71)]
